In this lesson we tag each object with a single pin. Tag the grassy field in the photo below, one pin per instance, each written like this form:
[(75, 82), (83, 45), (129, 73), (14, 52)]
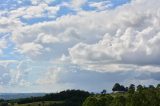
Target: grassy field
[(45, 103)]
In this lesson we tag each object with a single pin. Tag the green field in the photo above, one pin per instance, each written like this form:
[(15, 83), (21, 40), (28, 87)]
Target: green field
[(44, 103)]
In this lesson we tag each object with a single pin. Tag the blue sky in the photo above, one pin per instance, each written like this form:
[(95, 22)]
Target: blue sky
[(53, 45)]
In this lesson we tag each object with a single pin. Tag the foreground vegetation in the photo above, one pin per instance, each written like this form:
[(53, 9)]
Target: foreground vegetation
[(121, 96), (128, 96)]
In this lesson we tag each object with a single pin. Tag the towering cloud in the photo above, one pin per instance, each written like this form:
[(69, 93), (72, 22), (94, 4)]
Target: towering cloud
[(77, 38), (131, 37)]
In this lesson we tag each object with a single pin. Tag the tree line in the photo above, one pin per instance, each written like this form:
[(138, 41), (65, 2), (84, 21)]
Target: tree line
[(68, 98), (127, 96)]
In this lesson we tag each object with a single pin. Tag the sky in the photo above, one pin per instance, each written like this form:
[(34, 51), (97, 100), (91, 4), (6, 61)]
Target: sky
[(54, 45)]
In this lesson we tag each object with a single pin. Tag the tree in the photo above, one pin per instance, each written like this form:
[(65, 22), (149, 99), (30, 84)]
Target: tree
[(158, 86), (135, 99), (151, 87), (1, 100), (131, 88), (126, 89), (139, 88), (90, 101), (104, 91), (122, 88), (119, 101), (116, 87), (109, 100)]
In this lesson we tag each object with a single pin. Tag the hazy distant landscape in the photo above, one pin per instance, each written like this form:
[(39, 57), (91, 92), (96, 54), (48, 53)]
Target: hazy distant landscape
[(7, 96)]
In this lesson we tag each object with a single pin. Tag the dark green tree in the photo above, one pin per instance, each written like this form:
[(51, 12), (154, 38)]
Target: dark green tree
[(139, 88), (91, 101), (158, 86), (131, 88), (116, 87), (104, 91), (151, 87), (119, 101)]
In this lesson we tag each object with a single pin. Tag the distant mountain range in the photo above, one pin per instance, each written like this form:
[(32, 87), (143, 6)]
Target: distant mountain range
[(7, 96)]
